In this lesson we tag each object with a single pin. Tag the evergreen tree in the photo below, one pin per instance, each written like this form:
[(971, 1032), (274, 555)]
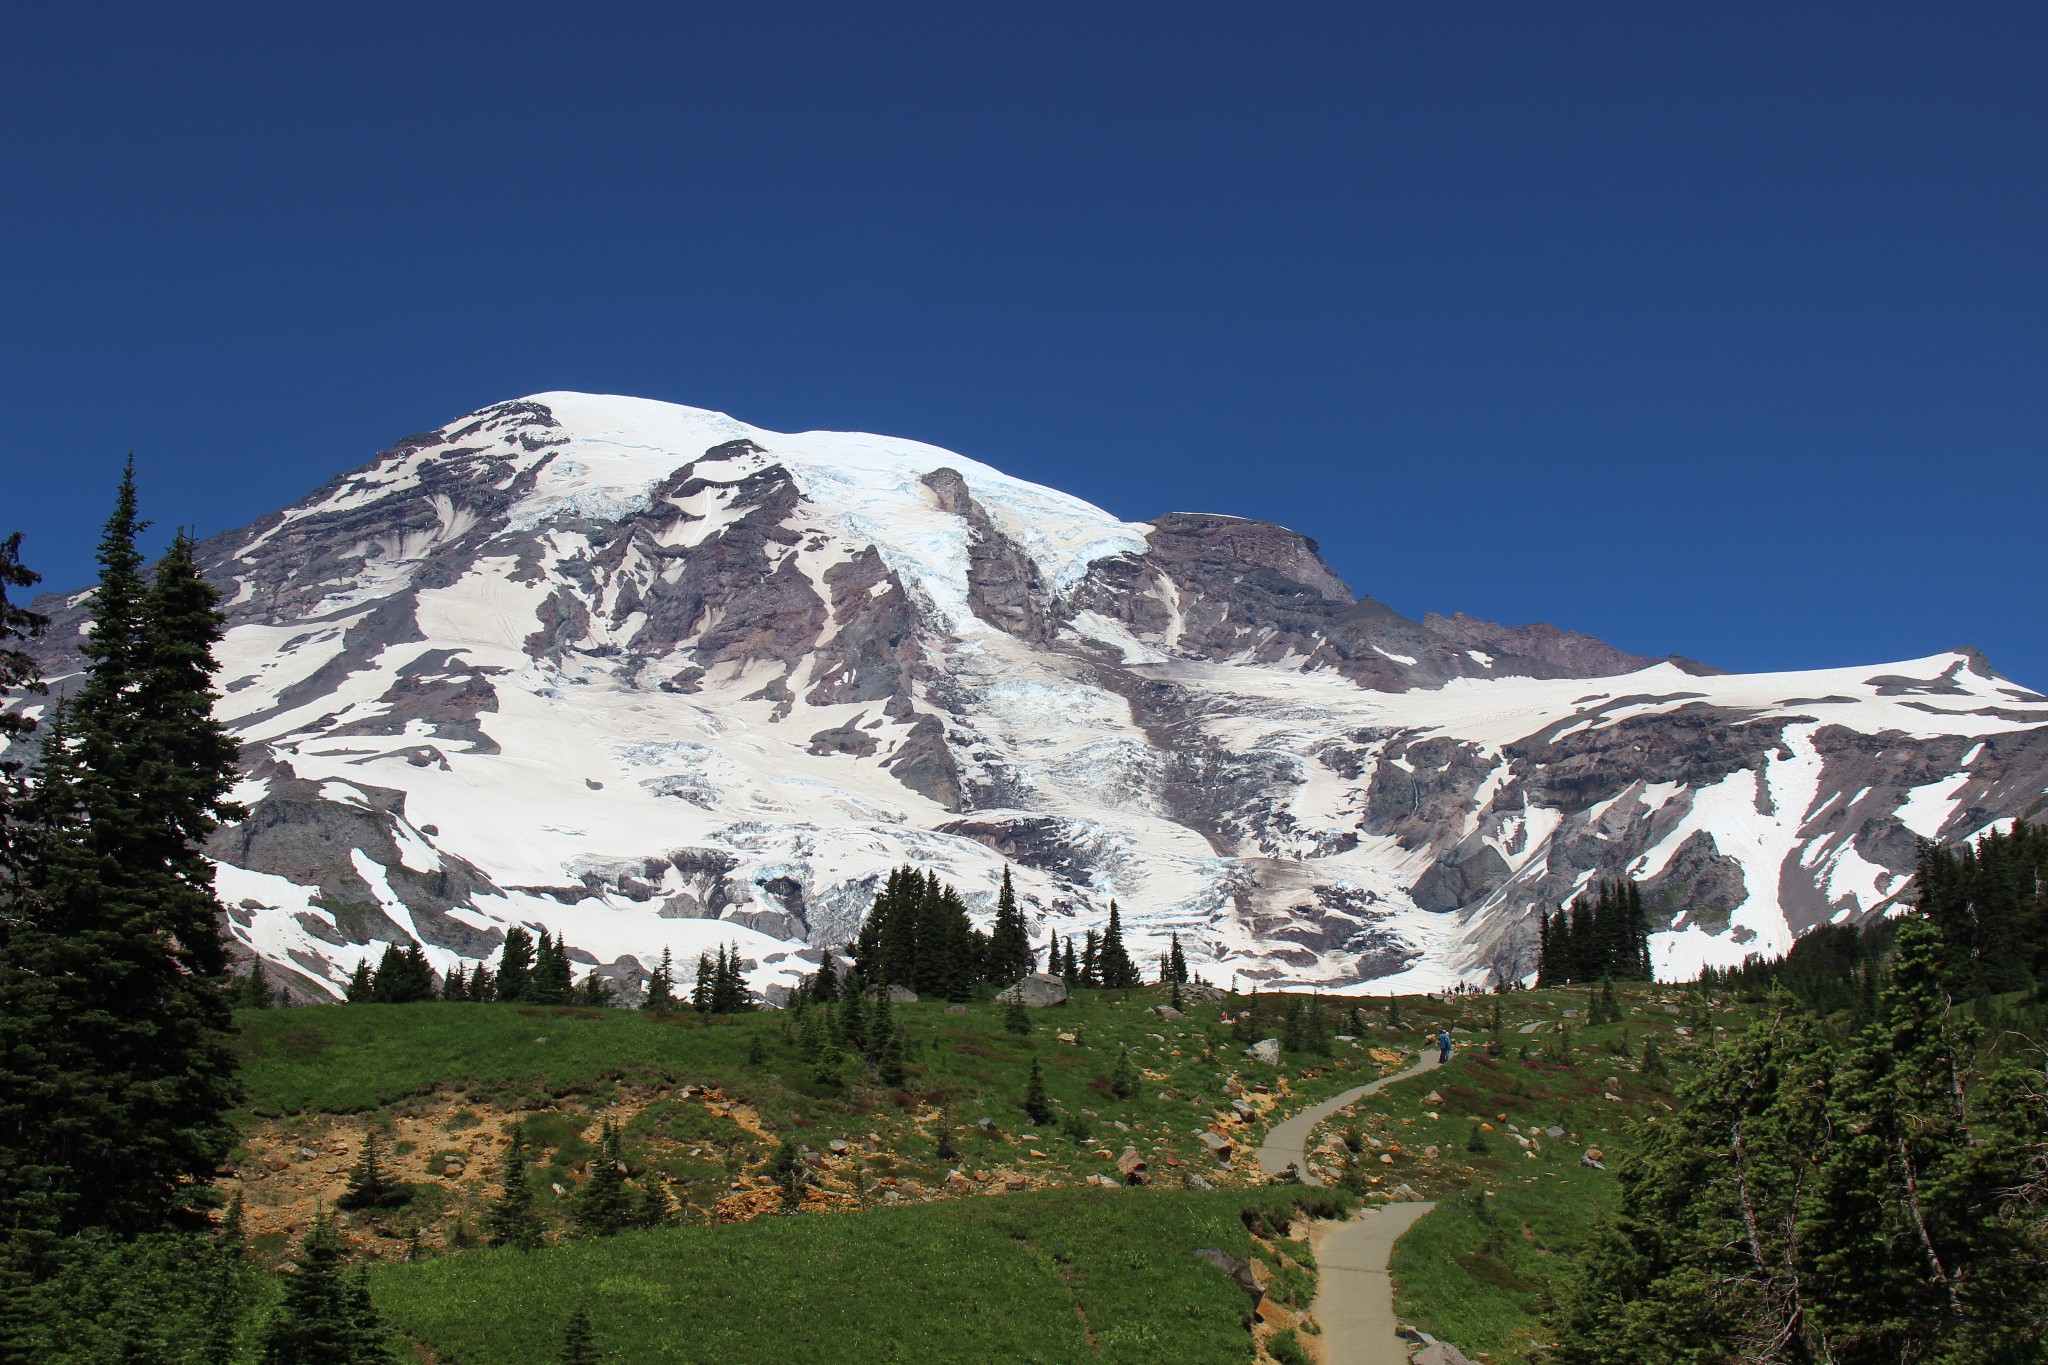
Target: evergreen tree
[(512, 1220), (325, 1317), (1009, 950), (890, 1070), (255, 991), (578, 1346), (661, 986), (1070, 965), (657, 1205), (790, 1174), (550, 982), (515, 965), (602, 1205), (114, 1008), (595, 992), (483, 987), (370, 1186), (403, 976), (1919, 1252), (702, 988), (455, 986), (1037, 1107), (1123, 1077), (825, 984), (1176, 963), (1016, 1017), (1112, 963), (1091, 951), (361, 986)]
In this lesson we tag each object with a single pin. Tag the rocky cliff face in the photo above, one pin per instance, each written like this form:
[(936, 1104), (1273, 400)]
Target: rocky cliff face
[(652, 678)]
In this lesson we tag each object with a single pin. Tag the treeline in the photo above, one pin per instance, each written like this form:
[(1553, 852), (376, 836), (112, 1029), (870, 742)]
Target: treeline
[(1991, 902), (1605, 937), (918, 936), (1865, 1201), (1103, 961), (534, 971), (1832, 967)]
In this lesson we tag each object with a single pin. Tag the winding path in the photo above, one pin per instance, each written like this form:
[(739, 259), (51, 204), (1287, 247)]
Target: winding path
[(1354, 1297), (1286, 1145)]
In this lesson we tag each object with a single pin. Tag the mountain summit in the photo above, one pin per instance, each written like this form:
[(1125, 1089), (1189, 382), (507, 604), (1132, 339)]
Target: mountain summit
[(652, 678)]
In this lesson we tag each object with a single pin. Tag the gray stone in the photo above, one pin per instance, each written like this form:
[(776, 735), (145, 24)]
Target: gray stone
[(1037, 991), (1234, 1268), (956, 1009), (902, 995), (1266, 1052)]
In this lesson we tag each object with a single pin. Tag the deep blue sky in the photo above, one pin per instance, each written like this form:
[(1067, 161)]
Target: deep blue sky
[(1716, 328)]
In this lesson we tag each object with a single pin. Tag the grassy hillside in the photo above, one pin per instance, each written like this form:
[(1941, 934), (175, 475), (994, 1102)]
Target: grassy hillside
[(1004, 1248), (1048, 1277)]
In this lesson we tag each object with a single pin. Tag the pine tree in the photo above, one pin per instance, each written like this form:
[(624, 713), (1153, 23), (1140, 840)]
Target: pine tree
[(825, 983), (595, 992), (325, 1317), (455, 986), (515, 965), (790, 1174), (1091, 952), (114, 1007), (370, 1186), (1918, 1255), (1123, 1077), (512, 1220), (1176, 963), (256, 992), (361, 985), (602, 1206), (1112, 963), (702, 987), (657, 1205), (1009, 950), (661, 987), (1037, 1107), (890, 1070), (578, 1346), (1017, 1018)]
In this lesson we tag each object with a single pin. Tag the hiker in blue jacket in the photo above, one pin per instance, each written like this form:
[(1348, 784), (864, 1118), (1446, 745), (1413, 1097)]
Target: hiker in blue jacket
[(1443, 1046)]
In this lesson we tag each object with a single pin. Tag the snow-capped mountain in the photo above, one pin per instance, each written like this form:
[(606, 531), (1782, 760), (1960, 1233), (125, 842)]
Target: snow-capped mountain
[(652, 678)]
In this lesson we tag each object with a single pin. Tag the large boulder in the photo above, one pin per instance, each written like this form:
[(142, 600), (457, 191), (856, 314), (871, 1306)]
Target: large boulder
[(902, 995), (1266, 1052), (1036, 991)]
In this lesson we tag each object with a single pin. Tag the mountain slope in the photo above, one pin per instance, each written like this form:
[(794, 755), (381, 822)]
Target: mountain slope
[(651, 677)]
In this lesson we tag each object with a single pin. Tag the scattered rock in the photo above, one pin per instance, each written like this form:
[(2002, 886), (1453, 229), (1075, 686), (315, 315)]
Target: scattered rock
[(540, 1040), (1432, 1153), (1234, 1268), (1405, 1193), (1195, 1181), (1266, 1052), (1037, 991), (1016, 1182), (902, 995), (1386, 1160), (1219, 1146), (1553, 1131), (840, 1146), (1131, 1166), (1433, 1098), (986, 1125), (956, 1009)]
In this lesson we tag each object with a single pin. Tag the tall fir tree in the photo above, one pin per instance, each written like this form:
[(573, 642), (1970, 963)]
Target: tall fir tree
[(661, 986), (112, 960), (512, 1221), (1009, 949), (1112, 963), (325, 1316), (515, 965)]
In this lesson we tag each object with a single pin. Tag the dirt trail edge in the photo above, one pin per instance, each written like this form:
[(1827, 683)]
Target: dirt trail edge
[(1284, 1146), (1354, 1296)]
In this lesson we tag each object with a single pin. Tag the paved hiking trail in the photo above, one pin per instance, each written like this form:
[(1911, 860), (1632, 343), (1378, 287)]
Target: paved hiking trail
[(1284, 1146), (1354, 1298)]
